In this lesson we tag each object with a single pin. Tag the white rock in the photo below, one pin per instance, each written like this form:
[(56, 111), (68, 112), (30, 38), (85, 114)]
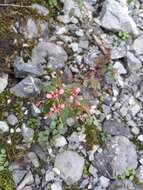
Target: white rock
[(3, 82), (74, 46), (135, 109), (120, 68), (104, 181), (4, 127), (56, 186), (49, 176), (135, 130), (140, 138), (138, 45), (60, 141)]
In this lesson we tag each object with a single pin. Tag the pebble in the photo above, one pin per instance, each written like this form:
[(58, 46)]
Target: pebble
[(12, 120), (60, 141), (4, 127), (104, 181)]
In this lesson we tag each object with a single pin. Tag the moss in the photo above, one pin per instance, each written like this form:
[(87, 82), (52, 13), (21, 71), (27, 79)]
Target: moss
[(13, 107), (138, 143), (93, 136), (6, 182)]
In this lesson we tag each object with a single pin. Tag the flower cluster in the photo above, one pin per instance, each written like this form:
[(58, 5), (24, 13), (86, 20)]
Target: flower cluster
[(59, 99), (55, 94), (56, 109)]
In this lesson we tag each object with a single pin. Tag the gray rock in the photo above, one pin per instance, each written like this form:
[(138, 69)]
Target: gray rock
[(4, 127), (122, 185), (27, 134), (114, 127), (40, 153), (115, 17), (71, 5), (93, 171), (139, 174), (35, 29), (18, 175), (70, 165), (12, 119), (117, 156), (77, 137), (33, 158), (55, 53), (40, 9), (28, 87), (49, 176), (27, 188), (27, 180), (138, 45), (133, 62), (135, 109), (118, 51), (3, 82), (22, 69)]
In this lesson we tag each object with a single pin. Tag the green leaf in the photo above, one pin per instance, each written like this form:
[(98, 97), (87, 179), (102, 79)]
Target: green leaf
[(64, 114), (48, 88)]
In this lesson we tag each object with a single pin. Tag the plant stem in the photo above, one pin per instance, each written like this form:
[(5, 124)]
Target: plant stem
[(13, 5)]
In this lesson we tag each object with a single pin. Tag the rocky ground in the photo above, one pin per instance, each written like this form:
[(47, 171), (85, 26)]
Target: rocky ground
[(71, 95)]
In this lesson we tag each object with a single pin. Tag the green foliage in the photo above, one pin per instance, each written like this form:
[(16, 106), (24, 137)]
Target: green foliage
[(56, 99), (92, 133), (105, 137), (6, 181), (129, 174), (46, 137), (3, 160), (53, 3), (33, 123), (123, 35), (110, 74), (131, 1)]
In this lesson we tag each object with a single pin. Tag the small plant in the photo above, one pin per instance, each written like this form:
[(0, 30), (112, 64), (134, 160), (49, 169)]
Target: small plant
[(53, 3), (61, 101), (33, 123), (131, 1), (45, 137), (3, 160), (123, 35), (105, 137), (129, 174)]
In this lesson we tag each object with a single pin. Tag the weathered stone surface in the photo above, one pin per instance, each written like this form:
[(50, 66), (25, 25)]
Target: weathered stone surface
[(114, 127), (115, 17), (122, 185), (22, 69), (28, 87), (3, 127), (3, 82), (117, 156), (70, 165), (55, 54)]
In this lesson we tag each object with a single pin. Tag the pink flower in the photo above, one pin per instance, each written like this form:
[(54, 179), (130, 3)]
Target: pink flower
[(38, 103), (75, 91), (71, 97), (77, 103), (61, 91), (48, 96), (62, 106)]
